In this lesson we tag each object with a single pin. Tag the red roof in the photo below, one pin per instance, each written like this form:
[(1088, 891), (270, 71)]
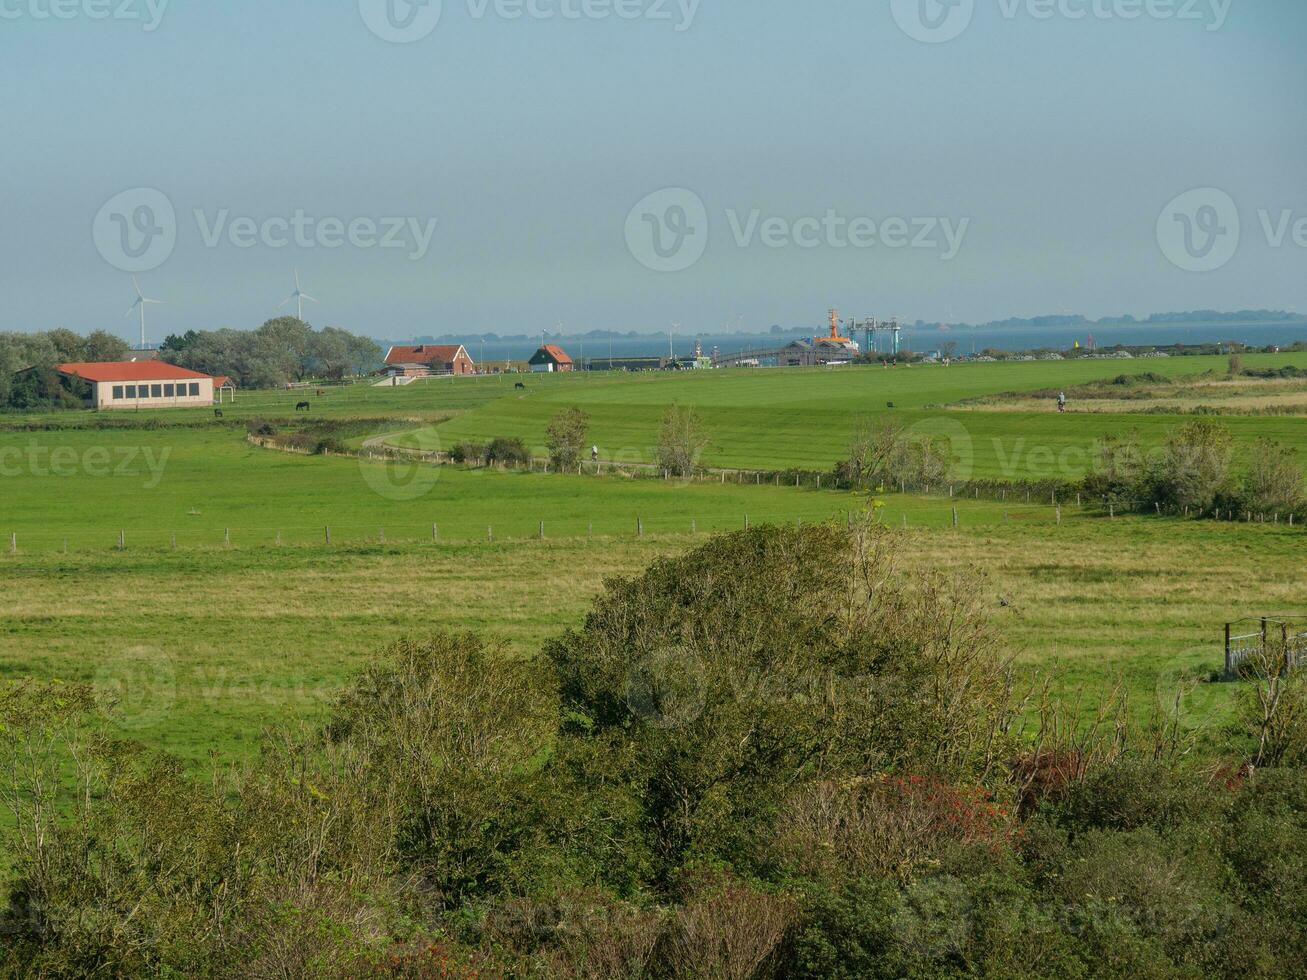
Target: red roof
[(129, 371), (556, 353), (425, 354)]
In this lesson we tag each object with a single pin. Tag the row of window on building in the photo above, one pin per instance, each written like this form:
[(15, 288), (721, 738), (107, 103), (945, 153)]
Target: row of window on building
[(121, 392)]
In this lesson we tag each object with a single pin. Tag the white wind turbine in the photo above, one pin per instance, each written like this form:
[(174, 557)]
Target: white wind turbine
[(299, 296), (141, 303)]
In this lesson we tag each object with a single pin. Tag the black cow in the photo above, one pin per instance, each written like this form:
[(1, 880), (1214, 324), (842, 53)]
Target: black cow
[(303, 407), (217, 413), (521, 387)]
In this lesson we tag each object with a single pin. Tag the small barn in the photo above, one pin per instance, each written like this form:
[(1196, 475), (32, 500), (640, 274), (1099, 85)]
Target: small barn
[(551, 359), (428, 360)]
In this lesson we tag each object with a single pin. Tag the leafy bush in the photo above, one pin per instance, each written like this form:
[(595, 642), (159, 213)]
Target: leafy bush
[(566, 437), (1274, 482), (778, 755), (1193, 471), (471, 453), (681, 441), (883, 454), (509, 451), (1117, 474), (712, 688)]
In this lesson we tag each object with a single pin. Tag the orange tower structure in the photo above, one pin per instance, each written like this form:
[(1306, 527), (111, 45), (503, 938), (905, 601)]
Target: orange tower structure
[(835, 337)]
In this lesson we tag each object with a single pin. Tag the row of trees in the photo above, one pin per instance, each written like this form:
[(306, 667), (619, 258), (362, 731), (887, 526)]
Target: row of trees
[(1193, 472), (681, 440), (20, 351), (282, 350), (792, 752)]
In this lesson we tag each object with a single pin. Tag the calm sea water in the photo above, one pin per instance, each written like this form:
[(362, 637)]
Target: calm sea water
[(1026, 338)]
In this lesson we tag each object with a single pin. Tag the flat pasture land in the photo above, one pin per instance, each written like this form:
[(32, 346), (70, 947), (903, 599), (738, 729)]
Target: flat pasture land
[(783, 418), (253, 619), (207, 646)]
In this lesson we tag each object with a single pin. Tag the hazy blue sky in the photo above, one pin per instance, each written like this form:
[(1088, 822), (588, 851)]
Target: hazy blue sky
[(1050, 145)]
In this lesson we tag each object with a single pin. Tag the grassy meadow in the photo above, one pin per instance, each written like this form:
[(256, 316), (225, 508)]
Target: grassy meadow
[(228, 610), (206, 646)]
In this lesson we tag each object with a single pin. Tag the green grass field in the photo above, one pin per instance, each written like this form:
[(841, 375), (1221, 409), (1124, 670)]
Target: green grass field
[(228, 632), (779, 418)]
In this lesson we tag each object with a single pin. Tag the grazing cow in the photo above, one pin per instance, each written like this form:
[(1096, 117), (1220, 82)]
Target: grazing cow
[(303, 407), (217, 413), (521, 387)]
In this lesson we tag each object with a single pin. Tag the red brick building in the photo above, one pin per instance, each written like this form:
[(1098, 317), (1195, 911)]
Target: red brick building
[(425, 360)]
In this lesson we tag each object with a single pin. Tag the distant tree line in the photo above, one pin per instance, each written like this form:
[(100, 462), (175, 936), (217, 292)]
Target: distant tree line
[(282, 350), (41, 386)]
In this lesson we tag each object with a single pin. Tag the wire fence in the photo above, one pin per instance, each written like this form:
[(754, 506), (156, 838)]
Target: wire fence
[(512, 529)]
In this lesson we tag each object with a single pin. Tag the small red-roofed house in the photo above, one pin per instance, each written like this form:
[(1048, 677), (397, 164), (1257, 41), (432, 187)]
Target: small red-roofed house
[(551, 358), (425, 360)]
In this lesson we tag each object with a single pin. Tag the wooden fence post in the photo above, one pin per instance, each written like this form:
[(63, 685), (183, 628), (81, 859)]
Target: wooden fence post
[(1229, 654), (746, 522), (226, 537), (1059, 516), (382, 537), (490, 534), (122, 541), (694, 526), (542, 530), (955, 517), (13, 543), (174, 540), (327, 533), (435, 533), (639, 527), (279, 538)]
